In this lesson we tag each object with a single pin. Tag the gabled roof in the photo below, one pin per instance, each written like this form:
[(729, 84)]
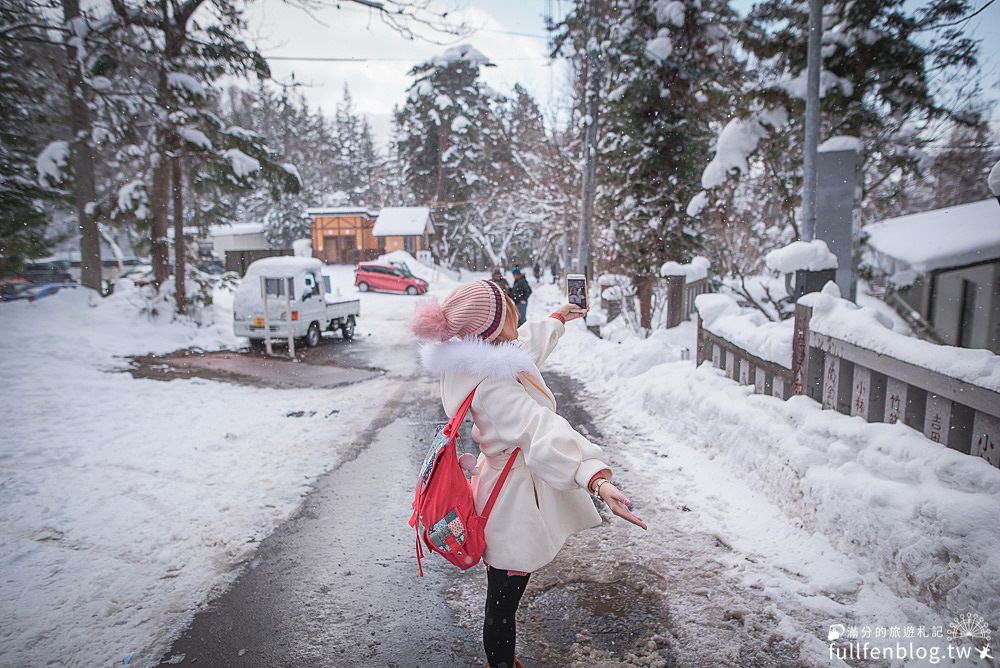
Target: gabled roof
[(938, 239), (403, 221)]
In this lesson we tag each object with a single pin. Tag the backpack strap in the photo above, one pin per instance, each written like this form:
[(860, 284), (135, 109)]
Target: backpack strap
[(456, 420), (498, 485)]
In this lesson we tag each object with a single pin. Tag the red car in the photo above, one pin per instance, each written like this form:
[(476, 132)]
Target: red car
[(388, 278)]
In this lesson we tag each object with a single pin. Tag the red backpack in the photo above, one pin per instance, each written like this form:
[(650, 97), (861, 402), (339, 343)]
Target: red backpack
[(444, 513)]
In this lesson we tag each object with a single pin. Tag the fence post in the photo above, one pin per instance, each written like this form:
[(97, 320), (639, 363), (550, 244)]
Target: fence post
[(986, 438), (699, 342), (675, 300), (895, 400), (800, 349)]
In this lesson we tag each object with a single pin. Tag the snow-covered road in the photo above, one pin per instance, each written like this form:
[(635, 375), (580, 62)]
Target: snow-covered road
[(127, 503)]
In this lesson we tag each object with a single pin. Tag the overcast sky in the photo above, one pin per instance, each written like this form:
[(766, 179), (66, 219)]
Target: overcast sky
[(380, 83)]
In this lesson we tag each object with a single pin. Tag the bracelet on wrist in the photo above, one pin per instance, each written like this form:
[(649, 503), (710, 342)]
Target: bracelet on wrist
[(597, 488)]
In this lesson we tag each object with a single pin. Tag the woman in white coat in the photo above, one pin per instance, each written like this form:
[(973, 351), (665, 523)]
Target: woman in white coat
[(478, 346)]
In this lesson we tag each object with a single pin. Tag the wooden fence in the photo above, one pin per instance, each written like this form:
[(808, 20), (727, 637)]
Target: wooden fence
[(854, 380), (678, 292)]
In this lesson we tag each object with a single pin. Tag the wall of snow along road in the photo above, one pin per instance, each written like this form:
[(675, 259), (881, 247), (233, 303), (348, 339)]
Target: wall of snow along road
[(920, 516), (127, 502)]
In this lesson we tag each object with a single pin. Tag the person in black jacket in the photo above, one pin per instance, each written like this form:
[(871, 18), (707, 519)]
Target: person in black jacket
[(520, 292), (500, 280)]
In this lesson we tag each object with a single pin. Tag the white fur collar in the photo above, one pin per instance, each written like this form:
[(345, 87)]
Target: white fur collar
[(475, 356)]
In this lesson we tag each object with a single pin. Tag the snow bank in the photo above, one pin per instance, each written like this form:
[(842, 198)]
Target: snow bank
[(994, 179), (936, 239), (747, 328), (910, 515), (433, 274), (869, 329), (125, 503), (801, 255), (695, 270)]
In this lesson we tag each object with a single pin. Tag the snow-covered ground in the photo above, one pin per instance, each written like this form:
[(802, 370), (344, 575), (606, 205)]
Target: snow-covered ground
[(838, 521), (126, 502)]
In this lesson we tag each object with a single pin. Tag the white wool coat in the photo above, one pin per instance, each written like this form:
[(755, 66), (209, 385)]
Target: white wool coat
[(545, 498)]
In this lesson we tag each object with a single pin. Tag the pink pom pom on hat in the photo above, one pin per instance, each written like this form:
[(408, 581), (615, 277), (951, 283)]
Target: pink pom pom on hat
[(474, 309)]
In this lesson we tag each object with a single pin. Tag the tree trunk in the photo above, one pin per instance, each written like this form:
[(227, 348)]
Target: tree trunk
[(158, 204), (180, 246), (644, 293), (83, 160)]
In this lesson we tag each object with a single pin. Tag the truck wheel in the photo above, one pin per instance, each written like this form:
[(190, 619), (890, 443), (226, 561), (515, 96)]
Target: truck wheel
[(411, 290), (347, 329), (313, 336), (362, 286), (257, 345)]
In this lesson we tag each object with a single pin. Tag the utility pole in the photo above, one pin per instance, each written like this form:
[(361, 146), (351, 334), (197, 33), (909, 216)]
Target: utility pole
[(590, 109), (812, 120)]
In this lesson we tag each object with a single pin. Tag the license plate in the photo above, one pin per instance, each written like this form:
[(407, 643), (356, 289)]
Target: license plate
[(258, 322)]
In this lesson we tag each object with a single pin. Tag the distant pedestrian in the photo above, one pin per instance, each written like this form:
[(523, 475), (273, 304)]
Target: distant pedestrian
[(520, 292), (500, 280), (555, 272), (537, 270)]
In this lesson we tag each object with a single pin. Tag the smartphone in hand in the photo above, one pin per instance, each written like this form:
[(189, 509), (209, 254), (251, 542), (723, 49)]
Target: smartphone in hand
[(576, 286)]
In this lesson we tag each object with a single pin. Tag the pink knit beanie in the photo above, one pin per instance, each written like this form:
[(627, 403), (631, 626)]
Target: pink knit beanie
[(474, 309)]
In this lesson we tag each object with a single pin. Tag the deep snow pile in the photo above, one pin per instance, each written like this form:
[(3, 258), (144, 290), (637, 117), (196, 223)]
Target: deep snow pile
[(747, 328), (127, 502), (915, 521)]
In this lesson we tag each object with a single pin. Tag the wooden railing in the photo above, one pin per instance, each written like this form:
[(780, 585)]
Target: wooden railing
[(854, 380), (679, 295)]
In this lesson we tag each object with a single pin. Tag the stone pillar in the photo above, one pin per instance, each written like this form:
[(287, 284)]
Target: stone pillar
[(838, 192), (937, 418), (986, 438), (895, 400)]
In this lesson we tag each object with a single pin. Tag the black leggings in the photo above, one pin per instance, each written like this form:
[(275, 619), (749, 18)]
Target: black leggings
[(503, 593)]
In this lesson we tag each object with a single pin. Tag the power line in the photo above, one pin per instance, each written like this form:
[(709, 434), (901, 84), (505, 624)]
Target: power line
[(334, 59)]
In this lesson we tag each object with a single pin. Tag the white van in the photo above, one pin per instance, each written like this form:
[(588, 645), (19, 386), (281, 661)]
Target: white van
[(299, 298)]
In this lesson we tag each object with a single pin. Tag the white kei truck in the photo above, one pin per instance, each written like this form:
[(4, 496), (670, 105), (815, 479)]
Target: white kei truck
[(290, 298)]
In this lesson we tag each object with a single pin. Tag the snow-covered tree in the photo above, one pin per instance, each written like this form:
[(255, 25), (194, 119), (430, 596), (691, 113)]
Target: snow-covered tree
[(447, 142)]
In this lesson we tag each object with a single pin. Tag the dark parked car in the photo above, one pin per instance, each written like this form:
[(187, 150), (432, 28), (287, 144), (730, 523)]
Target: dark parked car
[(33, 291), (56, 271)]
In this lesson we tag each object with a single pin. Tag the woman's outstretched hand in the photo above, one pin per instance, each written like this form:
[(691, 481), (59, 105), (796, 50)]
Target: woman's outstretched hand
[(618, 503), (570, 312)]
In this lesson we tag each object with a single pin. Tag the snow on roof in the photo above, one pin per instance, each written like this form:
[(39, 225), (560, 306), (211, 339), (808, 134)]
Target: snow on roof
[(341, 210), (937, 239), (283, 265), (236, 229), (403, 221), (807, 255)]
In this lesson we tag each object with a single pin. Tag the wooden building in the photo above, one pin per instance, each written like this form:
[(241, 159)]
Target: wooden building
[(344, 235), (940, 269), (406, 228)]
